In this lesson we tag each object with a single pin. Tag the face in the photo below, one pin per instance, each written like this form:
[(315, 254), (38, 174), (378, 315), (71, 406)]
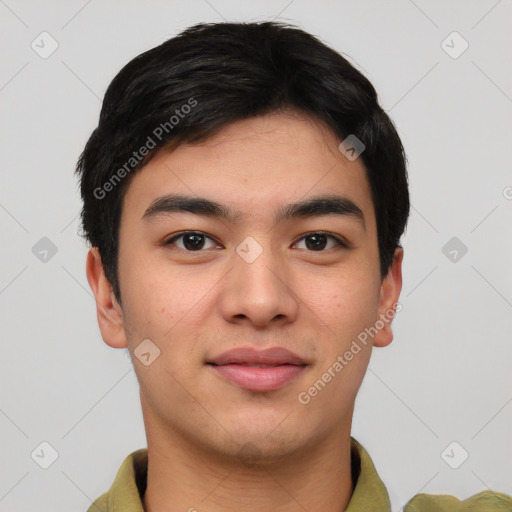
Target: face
[(254, 278)]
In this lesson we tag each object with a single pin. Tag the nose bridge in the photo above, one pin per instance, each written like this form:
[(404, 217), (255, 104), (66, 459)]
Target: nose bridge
[(257, 287), (257, 266)]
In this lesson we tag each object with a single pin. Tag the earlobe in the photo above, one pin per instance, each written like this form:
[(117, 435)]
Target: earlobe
[(389, 294), (108, 311)]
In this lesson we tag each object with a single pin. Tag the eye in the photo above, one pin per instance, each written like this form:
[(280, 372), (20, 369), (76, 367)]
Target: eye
[(195, 241), (318, 241), (191, 241)]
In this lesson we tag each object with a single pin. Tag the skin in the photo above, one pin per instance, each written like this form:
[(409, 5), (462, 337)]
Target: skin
[(195, 305)]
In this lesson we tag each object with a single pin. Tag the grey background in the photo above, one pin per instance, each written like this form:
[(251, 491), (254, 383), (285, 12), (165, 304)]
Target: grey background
[(446, 376)]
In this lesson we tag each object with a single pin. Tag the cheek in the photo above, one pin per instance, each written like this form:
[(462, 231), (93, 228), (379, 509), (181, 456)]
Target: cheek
[(167, 308), (150, 291), (346, 300)]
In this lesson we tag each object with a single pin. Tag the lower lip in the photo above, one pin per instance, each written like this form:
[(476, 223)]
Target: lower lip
[(259, 379)]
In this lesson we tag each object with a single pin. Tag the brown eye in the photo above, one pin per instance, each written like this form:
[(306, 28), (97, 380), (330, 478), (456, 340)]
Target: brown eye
[(319, 241), (191, 241)]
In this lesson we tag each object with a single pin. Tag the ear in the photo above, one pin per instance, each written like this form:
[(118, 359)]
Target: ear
[(390, 289), (109, 312)]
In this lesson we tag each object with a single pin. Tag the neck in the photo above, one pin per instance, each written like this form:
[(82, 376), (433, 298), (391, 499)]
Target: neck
[(184, 477)]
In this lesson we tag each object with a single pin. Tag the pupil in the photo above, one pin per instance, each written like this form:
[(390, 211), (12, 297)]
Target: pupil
[(193, 241), (319, 241)]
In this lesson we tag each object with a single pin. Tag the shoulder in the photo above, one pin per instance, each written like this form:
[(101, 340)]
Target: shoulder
[(485, 501), (100, 504)]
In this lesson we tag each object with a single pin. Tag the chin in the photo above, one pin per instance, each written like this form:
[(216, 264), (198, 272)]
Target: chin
[(271, 435)]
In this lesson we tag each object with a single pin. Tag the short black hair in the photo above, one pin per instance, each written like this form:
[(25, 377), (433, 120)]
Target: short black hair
[(211, 74)]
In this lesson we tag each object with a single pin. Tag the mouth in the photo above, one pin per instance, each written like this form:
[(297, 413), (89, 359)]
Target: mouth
[(252, 370)]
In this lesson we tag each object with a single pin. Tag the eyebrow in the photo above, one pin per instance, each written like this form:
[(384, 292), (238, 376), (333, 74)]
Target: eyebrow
[(312, 207)]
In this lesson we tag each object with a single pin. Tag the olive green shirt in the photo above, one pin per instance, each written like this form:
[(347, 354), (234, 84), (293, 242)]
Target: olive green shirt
[(369, 494)]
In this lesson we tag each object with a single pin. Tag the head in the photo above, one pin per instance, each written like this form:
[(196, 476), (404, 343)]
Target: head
[(220, 131)]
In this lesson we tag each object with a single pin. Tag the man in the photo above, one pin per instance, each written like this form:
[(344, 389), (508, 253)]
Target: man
[(244, 198)]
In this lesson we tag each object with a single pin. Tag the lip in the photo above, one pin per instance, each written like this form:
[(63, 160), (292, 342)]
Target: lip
[(258, 370), (248, 355)]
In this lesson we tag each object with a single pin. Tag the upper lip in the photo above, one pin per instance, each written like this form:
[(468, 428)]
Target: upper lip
[(248, 355)]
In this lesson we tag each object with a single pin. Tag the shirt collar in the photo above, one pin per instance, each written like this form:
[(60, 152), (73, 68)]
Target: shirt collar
[(126, 493), (370, 494)]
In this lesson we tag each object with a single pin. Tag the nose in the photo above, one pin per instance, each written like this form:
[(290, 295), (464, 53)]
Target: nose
[(258, 292)]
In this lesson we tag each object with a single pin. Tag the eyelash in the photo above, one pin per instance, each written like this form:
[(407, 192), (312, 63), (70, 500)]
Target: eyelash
[(339, 242)]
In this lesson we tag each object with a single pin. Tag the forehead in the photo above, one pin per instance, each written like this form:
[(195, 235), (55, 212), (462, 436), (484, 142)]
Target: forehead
[(255, 166)]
